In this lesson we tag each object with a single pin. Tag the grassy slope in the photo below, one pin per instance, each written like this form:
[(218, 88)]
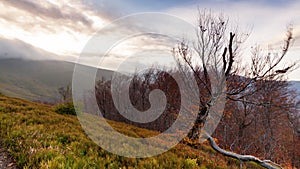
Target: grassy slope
[(39, 138), (36, 80)]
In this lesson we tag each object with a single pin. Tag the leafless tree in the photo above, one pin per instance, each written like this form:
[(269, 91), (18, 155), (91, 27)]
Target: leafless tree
[(215, 55), (65, 93)]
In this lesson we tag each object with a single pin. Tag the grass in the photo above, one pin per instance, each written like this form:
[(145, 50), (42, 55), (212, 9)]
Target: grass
[(37, 137), (38, 80)]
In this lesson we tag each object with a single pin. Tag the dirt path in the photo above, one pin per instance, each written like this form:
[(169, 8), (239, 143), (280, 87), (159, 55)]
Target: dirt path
[(6, 162)]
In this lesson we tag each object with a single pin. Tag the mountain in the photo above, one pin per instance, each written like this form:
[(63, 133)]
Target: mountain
[(37, 80), (296, 85)]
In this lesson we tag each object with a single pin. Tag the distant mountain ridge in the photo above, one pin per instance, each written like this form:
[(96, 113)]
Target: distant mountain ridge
[(37, 80), (296, 85)]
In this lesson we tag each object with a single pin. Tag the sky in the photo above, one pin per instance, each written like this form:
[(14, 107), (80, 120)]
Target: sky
[(60, 29)]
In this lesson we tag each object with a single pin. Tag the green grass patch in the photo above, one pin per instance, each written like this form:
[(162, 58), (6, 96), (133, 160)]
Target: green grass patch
[(65, 108), (38, 138)]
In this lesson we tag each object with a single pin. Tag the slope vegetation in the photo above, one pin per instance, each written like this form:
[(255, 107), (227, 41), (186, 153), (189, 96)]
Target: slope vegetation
[(37, 137), (37, 80)]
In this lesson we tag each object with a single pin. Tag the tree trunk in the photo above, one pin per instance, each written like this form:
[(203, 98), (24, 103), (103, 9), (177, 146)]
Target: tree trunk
[(194, 134), (264, 163)]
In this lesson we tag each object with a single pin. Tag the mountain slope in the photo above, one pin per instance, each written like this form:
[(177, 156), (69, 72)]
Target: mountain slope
[(36, 80), (296, 85), (39, 80), (39, 138)]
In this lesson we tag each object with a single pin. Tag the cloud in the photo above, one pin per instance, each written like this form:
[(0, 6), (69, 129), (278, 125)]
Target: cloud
[(144, 6), (52, 11), (63, 27), (60, 27), (13, 48), (51, 16), (266, 18)]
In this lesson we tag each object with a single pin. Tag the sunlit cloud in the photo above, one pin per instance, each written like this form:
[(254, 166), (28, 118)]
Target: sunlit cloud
[(19, 49), (58, 27)]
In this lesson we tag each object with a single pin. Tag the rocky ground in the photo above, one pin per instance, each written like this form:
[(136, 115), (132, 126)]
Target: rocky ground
[(6, 162)]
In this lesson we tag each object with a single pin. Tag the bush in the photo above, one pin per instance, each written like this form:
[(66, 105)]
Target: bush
[(190, 163), (65, 108)]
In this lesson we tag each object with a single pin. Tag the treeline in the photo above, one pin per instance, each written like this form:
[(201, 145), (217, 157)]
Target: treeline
[(263, 123), (140, 87)]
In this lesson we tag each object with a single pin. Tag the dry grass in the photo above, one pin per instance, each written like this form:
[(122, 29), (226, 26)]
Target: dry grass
[(37, 137)]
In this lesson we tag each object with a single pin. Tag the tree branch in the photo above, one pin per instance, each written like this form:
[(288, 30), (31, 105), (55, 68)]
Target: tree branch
[(264, 163), (224, 59), (231, 55)]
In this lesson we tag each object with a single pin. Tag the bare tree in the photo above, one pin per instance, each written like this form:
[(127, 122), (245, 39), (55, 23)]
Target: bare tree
[(65, 93), (217, 51)]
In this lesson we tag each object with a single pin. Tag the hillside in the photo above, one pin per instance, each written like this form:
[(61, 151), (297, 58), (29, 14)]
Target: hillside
[(36, 80), (296, 85), (39, 138)]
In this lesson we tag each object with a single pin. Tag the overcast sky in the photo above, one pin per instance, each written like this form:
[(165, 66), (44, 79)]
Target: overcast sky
[(61, 28)]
